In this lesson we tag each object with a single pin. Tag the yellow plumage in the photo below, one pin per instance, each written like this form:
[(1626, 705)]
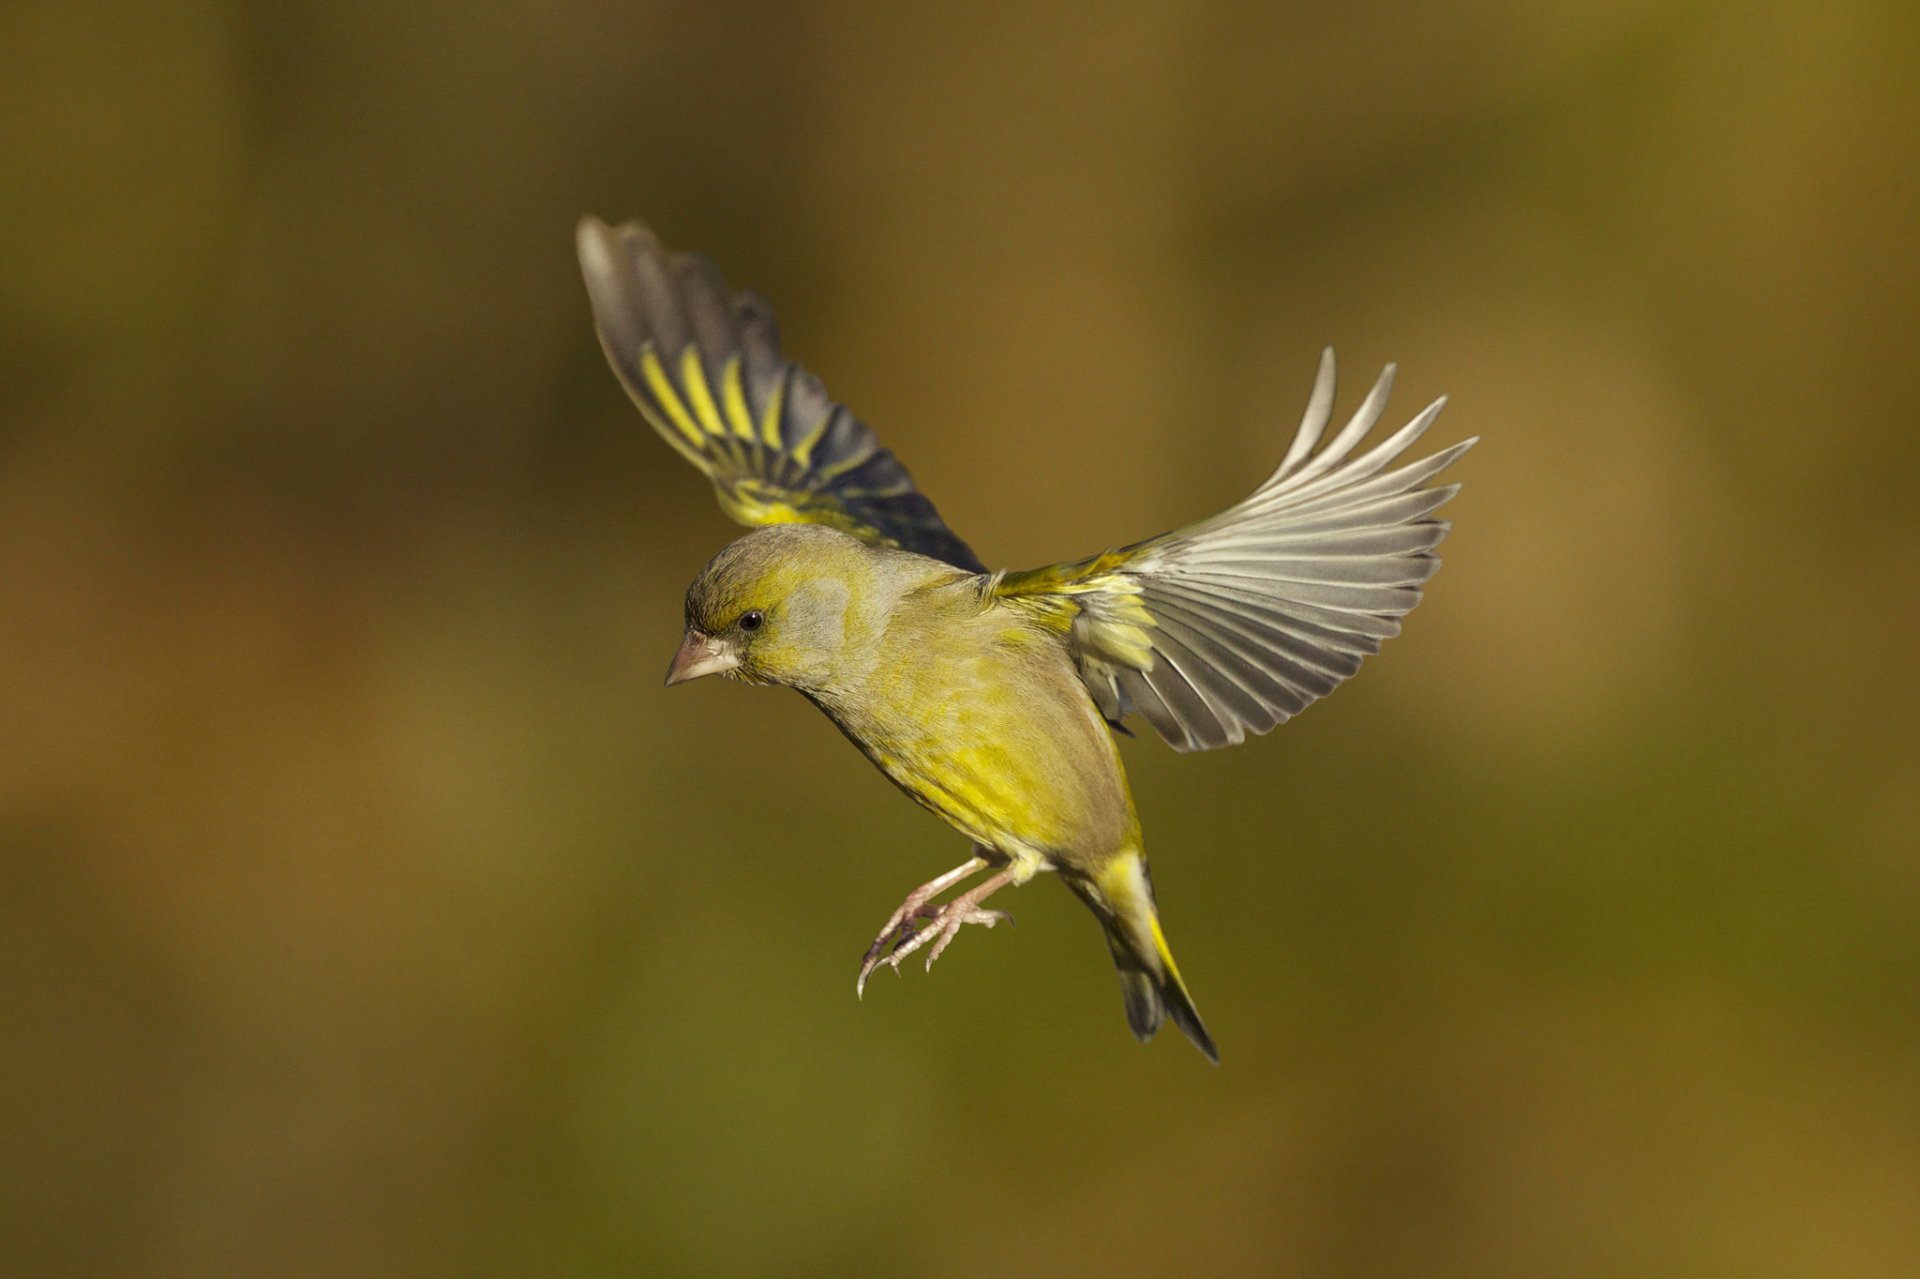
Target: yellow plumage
[(989, 697)]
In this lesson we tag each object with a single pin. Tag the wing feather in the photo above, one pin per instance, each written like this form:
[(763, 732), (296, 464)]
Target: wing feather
[(1239, 622), (704, 366)]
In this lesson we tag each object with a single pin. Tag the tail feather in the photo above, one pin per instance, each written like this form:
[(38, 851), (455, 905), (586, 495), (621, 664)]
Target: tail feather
[(1145, 1009), (1187, 1018), (1149, 979)]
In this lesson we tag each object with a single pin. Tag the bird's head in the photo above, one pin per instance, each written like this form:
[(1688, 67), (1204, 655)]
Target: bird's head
[(782, 605)]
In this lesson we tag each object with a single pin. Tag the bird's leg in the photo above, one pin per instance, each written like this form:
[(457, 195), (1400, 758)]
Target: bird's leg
[(903, 927)]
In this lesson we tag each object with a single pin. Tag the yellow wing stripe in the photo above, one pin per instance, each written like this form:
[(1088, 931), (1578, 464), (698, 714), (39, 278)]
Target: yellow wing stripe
[(803, 451), (735, 398), (662, 387), (848, 462), (695, 378)]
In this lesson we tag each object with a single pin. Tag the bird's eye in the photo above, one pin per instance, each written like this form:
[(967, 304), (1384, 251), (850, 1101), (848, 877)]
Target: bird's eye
[(752, 620)]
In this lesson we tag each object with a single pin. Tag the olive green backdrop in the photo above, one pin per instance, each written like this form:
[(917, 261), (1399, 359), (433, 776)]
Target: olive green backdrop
[(369, 909)]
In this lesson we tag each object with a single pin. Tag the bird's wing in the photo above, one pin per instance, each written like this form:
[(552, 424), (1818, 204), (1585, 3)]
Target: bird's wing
[(704, 365), (1237, 623)]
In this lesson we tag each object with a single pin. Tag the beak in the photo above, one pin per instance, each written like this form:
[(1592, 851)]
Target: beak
[(700, 654)]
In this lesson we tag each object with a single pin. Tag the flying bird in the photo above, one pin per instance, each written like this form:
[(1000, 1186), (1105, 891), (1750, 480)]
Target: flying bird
[(992, 697)]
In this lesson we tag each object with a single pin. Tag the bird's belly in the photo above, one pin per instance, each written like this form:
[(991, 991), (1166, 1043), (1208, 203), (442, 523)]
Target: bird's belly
[(978, 790), (1030, 782)]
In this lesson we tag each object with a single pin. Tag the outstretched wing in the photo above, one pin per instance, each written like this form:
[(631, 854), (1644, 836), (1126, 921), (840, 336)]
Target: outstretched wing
[(704, 365), (1239, 622)]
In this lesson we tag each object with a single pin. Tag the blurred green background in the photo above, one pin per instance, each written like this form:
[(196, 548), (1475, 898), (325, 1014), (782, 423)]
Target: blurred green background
[(370, 909)]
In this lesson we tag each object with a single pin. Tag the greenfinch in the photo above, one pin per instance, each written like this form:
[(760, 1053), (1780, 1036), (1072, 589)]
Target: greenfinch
[(992, 698)]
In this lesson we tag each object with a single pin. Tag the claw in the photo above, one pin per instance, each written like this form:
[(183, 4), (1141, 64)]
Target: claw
[(903, 925), (895, 935)]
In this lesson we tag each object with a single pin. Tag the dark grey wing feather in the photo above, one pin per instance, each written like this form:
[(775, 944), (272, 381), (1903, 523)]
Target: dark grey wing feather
[(704, 366)]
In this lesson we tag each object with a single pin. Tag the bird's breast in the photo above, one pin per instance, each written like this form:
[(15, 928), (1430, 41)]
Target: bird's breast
[(997, 735)]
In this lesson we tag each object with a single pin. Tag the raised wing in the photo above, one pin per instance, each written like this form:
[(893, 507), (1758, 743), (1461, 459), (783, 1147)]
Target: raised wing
[(1239, 622), (704, 365)]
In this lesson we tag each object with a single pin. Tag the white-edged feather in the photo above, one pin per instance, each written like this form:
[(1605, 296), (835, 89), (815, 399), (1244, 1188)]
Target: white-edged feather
[(1254, 614)]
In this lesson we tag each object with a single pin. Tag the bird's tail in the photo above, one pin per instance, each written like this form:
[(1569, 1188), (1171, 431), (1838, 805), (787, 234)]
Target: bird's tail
[(1122, 896)]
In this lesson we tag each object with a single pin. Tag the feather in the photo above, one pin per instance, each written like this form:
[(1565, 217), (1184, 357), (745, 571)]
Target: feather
[(704, 366), (1240, 621)]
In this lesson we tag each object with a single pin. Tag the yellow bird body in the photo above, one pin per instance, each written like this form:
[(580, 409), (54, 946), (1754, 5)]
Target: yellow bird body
[(977, 711), (991, 698)]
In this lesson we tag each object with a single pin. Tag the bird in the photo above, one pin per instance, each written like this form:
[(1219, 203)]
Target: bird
[(993, 698)]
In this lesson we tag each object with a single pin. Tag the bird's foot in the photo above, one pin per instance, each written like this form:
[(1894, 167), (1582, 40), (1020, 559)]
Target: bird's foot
[(915, 925), (919, 922)]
